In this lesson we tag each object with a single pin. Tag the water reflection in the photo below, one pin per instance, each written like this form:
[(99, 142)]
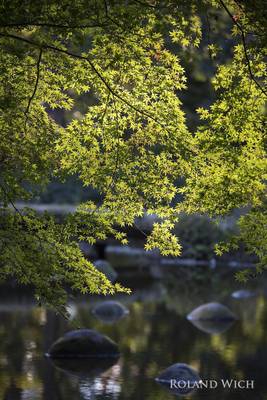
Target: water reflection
[(179, 392), (155, 335), (105, 386), (84, 368), (212, 327)]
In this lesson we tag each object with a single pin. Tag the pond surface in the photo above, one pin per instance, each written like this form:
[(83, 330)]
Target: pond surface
[(154, 335)]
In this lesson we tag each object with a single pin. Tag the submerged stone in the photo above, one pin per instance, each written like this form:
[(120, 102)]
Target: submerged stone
[(106, 268), (243, 294), (179, 378), (213, 312), (110, 311), (83, 343)]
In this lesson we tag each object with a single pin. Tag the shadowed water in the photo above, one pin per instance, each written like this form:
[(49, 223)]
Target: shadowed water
[(154, 335)]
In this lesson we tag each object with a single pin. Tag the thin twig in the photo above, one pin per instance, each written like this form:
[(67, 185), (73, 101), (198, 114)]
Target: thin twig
[(94, 69), (243, 38), (113, 176), (109, 18), (36, 84), (10, 201), (50, 25), (140, 230)]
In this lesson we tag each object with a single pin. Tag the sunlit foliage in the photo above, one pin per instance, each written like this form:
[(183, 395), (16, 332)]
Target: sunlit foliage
[(133, 143)]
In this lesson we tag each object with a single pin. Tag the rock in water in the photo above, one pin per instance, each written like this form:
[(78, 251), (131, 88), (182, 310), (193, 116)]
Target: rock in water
[(110, 311), (243, 294), (105, 267), (83, 343), (212, 312), (179, 378)]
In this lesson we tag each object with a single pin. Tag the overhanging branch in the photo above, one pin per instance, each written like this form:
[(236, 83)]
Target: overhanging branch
[(36, 84), (50, 25), (243, 38), (94, 69)]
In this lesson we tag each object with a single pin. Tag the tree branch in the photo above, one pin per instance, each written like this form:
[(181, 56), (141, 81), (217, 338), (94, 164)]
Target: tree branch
[(36, 84), (50, 25), (243, 38), (8, 198), (94, 69)]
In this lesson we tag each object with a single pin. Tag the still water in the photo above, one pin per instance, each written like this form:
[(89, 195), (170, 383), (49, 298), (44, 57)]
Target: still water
[(154, 335)]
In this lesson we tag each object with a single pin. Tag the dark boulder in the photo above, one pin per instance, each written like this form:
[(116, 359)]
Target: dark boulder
[(83, 343)]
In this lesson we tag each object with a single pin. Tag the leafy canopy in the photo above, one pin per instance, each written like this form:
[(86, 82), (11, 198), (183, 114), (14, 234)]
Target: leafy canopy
[(134, 143)]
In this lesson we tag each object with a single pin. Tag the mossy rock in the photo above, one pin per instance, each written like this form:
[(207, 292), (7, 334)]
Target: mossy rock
[(83, 343)]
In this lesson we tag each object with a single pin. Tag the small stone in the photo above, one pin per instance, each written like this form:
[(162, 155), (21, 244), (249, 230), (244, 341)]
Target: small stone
[(243, 294), (106, 268), (110, 311), (88, 250), (179, 378), (213, 312), (83, 343)]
